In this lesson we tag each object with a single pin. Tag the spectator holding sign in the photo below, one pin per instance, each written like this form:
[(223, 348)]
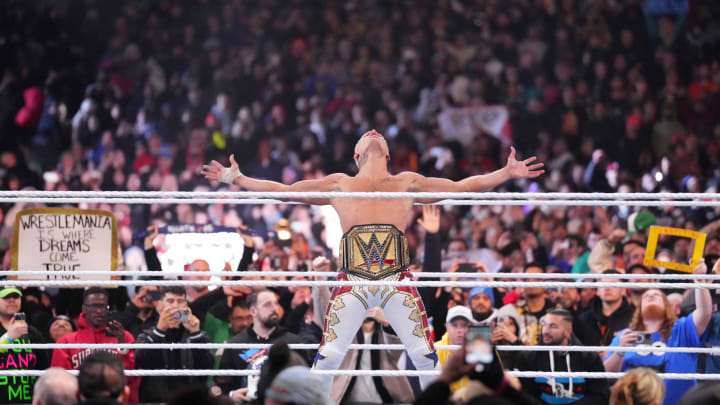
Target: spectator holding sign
[(15, 329), (94, 326), (654, 323)]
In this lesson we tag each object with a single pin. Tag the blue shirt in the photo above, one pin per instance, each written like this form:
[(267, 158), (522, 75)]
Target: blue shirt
[(683, 334)]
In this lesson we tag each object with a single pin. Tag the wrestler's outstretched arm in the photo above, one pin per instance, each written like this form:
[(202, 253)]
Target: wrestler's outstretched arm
[(232, 175), (513, 169)]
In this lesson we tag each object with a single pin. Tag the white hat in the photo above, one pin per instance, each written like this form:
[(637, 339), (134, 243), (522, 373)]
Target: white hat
[(459, 310)]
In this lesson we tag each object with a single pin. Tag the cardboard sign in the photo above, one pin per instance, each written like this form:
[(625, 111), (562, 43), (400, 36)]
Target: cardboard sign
[(656, 231), (64, 239)]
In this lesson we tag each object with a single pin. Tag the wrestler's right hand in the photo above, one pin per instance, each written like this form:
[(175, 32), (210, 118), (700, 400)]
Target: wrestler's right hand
[(216, 171)]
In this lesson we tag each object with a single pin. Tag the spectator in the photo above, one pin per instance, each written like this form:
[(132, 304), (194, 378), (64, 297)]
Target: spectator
[(531, 310), (655, 316), (55, 387), (609, 313), (639, 386), (102, 380), (367, 389), (458, 320), (557, 331), (15, 329), (481, 302), (238, 319), (265, 328), (175, 324), (140, 313), (94, 327), (296, 385), (59, 327)]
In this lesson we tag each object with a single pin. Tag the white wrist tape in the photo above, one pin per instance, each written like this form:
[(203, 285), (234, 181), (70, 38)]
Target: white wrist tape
[(228, 175)]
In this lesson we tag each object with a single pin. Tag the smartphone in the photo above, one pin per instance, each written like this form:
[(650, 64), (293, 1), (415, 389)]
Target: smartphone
[(467, 268), (643, 338), (154, 295), (20, 316), (182, 315), (478, 345)]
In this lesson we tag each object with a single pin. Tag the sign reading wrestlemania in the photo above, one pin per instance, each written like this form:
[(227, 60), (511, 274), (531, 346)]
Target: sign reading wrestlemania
[(64, 239), (183, 243)]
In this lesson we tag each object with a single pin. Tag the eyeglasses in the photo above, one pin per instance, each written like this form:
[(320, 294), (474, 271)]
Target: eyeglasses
[(97, 307)]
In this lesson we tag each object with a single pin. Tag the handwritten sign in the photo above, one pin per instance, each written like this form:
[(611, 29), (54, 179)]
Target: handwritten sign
[(64, 239), (656, 231), (184, 243)]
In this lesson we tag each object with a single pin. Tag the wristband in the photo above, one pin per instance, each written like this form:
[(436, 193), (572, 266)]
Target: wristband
[(5, 340), (227, 175)]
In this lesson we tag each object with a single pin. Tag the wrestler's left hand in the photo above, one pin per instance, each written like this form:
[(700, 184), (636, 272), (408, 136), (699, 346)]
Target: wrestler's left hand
[(523, 169)]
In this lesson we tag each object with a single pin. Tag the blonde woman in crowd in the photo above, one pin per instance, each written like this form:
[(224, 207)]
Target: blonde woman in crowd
[(639, 386)]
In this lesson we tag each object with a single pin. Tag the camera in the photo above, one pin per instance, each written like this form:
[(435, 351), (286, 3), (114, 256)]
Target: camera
[(182, 315), (467, 268), (478, 345), (20, 316), (643, 338)]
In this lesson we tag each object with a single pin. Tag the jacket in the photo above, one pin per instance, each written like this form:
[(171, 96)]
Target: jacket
[(595, 329), (563, 390), (156, 389), (442, 358), (70, 359), (20, 390), (246, 359), (390, 389)]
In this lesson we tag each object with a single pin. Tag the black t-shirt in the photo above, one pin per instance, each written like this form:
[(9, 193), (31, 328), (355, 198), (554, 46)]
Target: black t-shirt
[(19, 390)]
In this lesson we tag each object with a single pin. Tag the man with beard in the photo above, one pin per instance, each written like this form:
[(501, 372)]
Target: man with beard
[(264, 308), (531, 310), (557, 331), (635, 294), (481, 301), (656, 317), (608, 314)]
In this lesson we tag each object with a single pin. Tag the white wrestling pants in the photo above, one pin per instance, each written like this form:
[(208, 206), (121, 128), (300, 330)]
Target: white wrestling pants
[(404, 310)]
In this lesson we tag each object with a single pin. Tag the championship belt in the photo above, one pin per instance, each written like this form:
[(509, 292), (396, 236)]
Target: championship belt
[(374, 251)]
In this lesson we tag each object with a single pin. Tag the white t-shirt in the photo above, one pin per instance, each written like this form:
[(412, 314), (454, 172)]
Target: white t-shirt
[(364, 389)]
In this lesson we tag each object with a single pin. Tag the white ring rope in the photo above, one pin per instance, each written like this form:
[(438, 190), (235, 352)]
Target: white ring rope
[(552, 276), (383, 373), (359, 194), (359, 283), (240, 201), (313, 346)]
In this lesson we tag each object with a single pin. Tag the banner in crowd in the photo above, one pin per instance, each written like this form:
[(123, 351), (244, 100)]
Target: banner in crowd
[(463, 124), (180, 245), (666, 7), (64, 239)]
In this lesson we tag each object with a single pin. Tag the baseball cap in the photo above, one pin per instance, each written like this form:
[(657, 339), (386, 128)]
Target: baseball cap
[(297, 384), (640, 221), (9, 290), (482, 290), (459, 311)]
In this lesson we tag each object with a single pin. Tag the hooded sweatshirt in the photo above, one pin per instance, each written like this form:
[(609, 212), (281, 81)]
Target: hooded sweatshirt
[(564, 390), (70, 359), (442, 358)]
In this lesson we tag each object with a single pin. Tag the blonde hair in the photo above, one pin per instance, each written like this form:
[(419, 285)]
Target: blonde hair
[(639, 386)]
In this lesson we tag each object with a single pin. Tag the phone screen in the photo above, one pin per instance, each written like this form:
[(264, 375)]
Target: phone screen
[(467, 268), (478, 345)]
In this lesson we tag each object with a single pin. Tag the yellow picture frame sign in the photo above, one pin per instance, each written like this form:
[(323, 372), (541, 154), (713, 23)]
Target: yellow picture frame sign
[(656, 231)]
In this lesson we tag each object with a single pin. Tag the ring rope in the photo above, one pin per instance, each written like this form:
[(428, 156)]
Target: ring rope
[(382, 373), (240, 201), (312, 346), (359, 283), (356, 194), (552, 276)]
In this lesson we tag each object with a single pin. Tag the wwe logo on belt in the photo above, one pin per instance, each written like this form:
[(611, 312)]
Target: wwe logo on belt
[(373, 252)]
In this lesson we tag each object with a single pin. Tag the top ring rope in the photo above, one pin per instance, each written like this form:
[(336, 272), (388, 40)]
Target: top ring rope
[(360, 194)]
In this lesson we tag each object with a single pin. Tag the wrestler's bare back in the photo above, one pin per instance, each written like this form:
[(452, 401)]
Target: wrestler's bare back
[(361, 211)]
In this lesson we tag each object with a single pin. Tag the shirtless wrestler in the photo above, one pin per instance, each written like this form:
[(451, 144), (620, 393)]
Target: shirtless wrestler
[(374, 245)]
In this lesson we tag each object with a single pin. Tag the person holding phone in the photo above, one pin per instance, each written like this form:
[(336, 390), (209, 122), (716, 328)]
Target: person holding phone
[(656, 316), (175, 324), (15, 329)]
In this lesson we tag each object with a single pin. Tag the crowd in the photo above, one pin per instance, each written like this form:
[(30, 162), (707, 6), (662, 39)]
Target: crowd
[(612, 96)]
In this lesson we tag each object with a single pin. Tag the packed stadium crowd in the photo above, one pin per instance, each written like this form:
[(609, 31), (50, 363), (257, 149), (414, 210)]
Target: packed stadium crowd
[(137, 95)]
